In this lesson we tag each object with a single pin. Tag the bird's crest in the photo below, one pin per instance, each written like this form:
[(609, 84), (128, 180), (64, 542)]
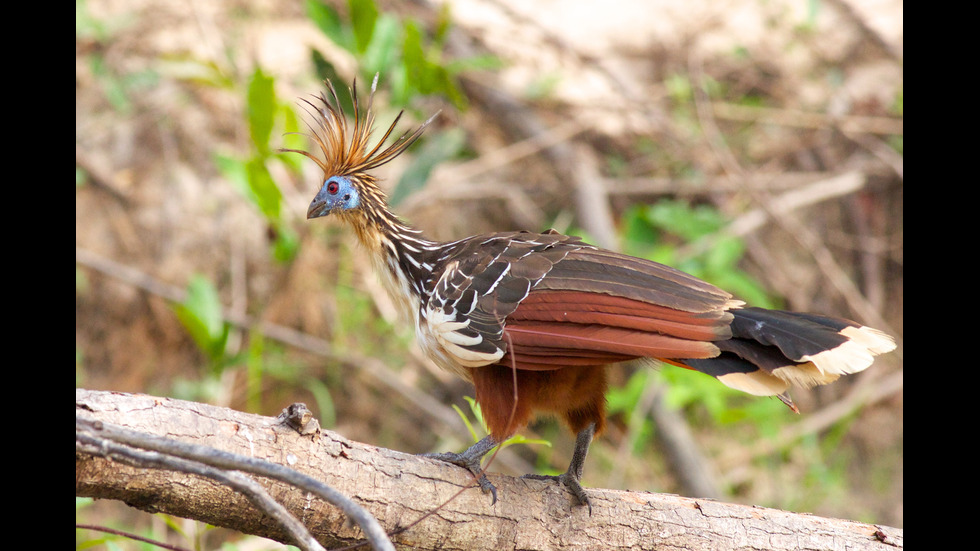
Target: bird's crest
[(345, 150)]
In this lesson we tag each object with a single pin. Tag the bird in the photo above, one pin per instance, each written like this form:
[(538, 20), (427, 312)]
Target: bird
[(533, 320)]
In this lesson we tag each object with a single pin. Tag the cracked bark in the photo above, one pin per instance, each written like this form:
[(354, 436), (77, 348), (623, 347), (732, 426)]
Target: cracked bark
[(398, 489)]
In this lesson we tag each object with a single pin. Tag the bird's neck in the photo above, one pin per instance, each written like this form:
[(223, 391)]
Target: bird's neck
[(403, 258)]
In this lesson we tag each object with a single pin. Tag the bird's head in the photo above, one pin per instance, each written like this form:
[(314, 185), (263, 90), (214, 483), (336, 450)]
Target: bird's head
[(346, 158), (338, 193)]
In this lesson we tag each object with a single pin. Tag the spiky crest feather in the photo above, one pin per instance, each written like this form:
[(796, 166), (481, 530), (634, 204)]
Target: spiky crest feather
[(344, 149)]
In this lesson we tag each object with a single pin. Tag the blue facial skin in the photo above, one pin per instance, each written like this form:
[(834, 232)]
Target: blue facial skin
[(337, 193)]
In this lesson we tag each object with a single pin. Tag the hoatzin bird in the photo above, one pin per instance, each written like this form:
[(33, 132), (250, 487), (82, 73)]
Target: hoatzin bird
[(533, 319)]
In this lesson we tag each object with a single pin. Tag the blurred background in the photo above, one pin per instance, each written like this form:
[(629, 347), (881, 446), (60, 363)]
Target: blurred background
[(756, 144)]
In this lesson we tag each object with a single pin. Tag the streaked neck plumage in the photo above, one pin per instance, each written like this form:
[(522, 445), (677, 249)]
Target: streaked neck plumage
[(403, 256)]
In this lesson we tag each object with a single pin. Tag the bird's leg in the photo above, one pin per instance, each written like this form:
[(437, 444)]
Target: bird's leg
[(470, 460), (573, 476)]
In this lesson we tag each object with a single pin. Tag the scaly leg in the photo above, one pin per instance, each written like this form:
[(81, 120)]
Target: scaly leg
[(573, 476), (470, 460)]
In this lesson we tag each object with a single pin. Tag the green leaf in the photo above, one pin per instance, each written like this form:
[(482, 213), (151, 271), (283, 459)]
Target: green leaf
[(413, 57), (382, 50), (724, 254), (679, 88), (235, 172), (202, 317), (363, 15), (443, 83), (88, 26), (264, 191), (639, 236), (328, 21), (254, 368), (324, 401), (286, 245), (187, 68), (466, 421), (326, 71), (399, 84), (444, 21), (683, 220), (475, 63), (252, 179), (744, 287), (625, 398), (261, 109), (521, 439), (291, 139)]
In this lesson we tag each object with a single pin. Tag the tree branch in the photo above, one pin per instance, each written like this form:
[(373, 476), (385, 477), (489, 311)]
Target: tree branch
[(143, 451), (400, 489)]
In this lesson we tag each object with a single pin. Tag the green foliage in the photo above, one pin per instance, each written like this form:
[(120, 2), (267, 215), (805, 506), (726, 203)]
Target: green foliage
[(477, 413), (679, 88), (412, 62), (363, 16), (691, 390), (625, 399), (825, 479), (358, 325), (202, 317), (690, 238), (261, 108), (250, 174)]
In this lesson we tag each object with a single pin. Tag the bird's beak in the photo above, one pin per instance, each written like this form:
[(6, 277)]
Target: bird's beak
[(321, 206), (316, 210)]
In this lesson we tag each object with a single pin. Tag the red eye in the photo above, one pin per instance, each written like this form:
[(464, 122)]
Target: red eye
[(332, 188)]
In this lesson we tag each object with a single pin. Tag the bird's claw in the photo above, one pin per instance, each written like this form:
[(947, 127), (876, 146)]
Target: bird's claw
[(571, 482), (470, 464)]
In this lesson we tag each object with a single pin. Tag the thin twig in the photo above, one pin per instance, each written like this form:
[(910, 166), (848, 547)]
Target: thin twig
[(89, 443), (132, 536), (98, 438), (808, 119)]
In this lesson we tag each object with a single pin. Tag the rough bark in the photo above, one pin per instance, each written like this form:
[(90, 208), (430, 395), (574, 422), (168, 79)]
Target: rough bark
[(399, 489)]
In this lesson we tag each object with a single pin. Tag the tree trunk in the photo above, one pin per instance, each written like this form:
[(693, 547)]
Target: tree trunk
[(399, 489)]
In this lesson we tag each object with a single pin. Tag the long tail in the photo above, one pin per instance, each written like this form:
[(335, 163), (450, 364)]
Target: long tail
[(772, 349)]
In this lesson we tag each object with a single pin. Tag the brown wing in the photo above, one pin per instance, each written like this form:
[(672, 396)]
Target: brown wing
[(543, 302), (596, 307), (481, 281), (554, 301)]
